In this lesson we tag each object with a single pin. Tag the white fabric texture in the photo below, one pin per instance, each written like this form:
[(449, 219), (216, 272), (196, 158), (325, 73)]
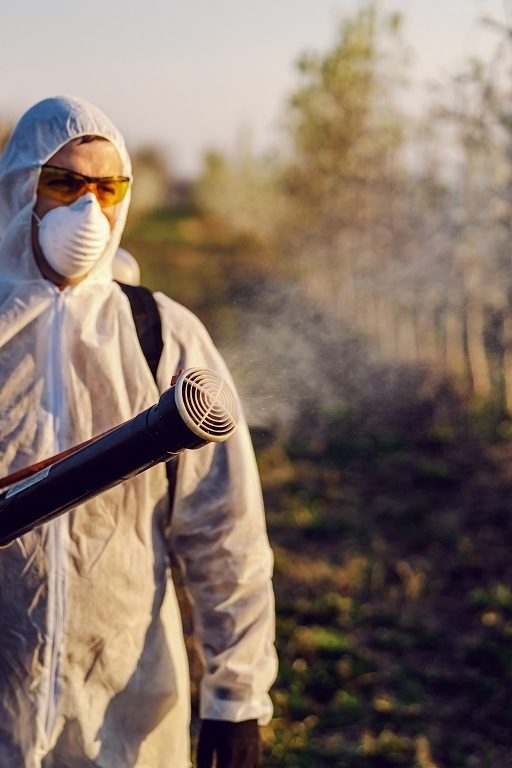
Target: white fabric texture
[(93, 669), (125, 267)]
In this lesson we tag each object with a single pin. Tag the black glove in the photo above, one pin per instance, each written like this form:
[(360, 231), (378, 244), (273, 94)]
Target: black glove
[(236, 745)]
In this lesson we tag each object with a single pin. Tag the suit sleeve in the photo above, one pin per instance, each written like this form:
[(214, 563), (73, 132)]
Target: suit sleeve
[(219, 536)]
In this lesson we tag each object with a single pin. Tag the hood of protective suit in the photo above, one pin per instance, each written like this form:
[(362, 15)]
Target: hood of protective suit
[(40, 133)]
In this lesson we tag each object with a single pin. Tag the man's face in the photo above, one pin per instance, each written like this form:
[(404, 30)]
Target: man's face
[(97, 158)]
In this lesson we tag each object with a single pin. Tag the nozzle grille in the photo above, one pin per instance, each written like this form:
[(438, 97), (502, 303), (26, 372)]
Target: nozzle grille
[(206, 404)]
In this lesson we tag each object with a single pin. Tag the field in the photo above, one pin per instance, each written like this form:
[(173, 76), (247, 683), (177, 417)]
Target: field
[(392, 535), (394, 601)]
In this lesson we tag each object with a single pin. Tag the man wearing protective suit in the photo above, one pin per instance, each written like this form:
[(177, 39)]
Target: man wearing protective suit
[(93, 669)]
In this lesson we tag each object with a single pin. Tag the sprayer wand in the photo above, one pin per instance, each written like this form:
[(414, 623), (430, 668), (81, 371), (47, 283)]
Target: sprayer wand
[(197, 409)]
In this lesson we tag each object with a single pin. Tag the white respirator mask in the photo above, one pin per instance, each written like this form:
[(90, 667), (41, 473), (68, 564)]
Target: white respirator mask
[(73, 237)]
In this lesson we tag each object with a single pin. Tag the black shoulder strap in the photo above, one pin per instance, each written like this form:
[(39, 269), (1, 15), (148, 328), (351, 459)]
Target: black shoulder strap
[(148, 325)]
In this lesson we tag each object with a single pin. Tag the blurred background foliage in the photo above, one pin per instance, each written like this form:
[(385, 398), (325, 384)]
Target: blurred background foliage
[(358, 280)]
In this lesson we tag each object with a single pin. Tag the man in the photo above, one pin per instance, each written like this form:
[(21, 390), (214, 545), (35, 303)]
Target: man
[(93, 667)]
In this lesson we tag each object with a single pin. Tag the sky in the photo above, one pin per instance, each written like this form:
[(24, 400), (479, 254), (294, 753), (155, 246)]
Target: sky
[(191, 75)]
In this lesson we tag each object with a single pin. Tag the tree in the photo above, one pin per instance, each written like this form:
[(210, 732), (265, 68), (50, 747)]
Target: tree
[(151, 180), (243, 189), (5, 132), (345, 176)]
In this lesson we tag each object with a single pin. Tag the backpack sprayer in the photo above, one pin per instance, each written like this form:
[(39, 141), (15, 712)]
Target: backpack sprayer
[(197, 409)]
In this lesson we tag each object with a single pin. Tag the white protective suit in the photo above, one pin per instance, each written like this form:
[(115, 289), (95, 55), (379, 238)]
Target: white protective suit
[(93, 669)]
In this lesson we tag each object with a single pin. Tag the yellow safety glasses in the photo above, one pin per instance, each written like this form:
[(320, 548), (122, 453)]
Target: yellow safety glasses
[(67, 186)]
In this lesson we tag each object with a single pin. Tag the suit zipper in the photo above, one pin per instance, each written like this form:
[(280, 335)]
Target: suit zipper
[(56, 587)]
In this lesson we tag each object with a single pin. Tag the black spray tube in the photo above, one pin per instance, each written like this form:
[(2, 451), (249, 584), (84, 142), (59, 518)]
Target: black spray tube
[(199, 408)]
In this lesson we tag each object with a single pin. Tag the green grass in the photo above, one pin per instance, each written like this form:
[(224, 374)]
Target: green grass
[(395, 620)]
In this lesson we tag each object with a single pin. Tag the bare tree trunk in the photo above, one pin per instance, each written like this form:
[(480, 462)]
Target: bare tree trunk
[(455, 355), (367, 310), (347, 289), (427, 335), (406, 334), (373, 317), (507, 358), (477, 354), (386, 331)]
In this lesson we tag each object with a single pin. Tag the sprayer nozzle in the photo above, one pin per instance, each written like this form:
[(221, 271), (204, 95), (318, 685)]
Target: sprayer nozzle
[(206, 404)]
